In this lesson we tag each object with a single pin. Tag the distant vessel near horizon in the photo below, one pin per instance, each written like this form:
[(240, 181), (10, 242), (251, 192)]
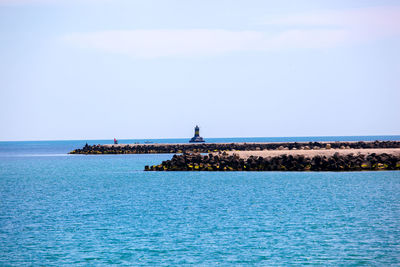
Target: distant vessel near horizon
[(197, 138)]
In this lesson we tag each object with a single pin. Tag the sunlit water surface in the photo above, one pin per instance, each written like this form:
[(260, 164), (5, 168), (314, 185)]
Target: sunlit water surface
[(60, 209)]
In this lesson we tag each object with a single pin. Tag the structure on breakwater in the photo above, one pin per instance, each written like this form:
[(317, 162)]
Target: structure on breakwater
[(216, 147), (197, 138)]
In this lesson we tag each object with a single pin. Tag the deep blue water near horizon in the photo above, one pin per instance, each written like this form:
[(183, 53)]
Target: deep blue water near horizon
[(58, 209)]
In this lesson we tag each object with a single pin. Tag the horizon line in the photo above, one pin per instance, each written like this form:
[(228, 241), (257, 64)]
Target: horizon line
[(55, 140)]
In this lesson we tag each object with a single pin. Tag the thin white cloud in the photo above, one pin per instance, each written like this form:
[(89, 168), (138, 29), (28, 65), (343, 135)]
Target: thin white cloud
[(313, 31), (188, 43), (158, 43)]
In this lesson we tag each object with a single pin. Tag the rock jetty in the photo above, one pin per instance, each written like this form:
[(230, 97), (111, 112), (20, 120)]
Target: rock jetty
[(226, 162), (215, 147)]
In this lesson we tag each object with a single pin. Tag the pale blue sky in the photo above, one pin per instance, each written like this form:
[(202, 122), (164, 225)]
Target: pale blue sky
[(153, 69)]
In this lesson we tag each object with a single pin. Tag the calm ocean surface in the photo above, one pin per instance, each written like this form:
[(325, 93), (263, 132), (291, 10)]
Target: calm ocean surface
[(58, 209)]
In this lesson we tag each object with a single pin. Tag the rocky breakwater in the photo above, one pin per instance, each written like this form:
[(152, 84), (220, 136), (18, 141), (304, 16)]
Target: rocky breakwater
[(233, 162), (215, 147)]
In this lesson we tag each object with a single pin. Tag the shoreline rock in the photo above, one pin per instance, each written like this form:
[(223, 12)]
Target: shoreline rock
[(216, 147), (225, 162)]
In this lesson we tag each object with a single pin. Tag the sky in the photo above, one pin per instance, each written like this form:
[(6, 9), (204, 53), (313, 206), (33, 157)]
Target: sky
[(99, 69)]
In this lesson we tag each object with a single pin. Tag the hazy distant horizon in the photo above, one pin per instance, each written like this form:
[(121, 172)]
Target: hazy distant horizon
[(397, 137)]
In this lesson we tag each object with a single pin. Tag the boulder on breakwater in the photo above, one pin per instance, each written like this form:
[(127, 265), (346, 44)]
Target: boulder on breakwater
[(215, 147), (225, 162)]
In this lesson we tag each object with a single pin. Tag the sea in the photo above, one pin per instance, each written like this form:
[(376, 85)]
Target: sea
[(58, 209)]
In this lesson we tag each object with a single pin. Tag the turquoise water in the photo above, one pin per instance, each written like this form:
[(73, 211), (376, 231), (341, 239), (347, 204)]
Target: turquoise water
[(58, 209)]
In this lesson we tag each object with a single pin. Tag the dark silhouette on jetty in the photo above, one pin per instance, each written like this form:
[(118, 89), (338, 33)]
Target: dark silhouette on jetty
[(197, 138)]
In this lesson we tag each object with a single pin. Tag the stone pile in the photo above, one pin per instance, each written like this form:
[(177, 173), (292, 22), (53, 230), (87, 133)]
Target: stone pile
[(215, 147), (224, 162)]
